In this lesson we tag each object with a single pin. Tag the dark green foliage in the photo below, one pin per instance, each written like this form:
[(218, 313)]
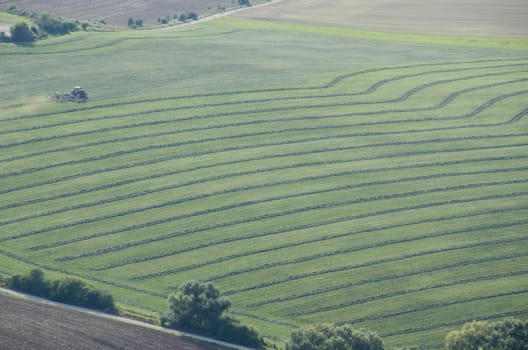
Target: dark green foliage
[(244, 2), (55, 25), (198, 307), (193, 16), (508, 334), (331, 337), (130, 22), (21, 33), (183, 17), (138, 23), (68, 290), (33, 283)]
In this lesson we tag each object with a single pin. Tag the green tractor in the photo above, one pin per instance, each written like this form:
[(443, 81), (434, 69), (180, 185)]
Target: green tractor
[(78, 94)]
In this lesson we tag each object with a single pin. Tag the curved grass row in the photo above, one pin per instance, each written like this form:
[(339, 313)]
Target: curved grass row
[(293, 199)]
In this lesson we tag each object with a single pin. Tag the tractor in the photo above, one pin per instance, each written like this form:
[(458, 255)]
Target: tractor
[(78, 94)]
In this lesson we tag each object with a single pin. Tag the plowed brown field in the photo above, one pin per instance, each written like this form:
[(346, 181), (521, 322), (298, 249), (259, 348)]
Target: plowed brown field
[(505, 18), (33, 326), (116, 11)]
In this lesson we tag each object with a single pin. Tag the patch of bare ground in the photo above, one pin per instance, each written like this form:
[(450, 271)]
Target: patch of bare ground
[(33, 326), (494, 18), (116, 12)]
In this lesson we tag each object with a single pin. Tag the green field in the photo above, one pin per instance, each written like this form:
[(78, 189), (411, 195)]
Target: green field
[(312, 173)]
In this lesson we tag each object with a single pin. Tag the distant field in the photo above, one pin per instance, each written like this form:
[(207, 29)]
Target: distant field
[(312, 173), (117, 12), (32, 326), (506, 18)]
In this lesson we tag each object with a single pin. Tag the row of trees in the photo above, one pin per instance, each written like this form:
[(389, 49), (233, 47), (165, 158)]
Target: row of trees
[(44, 25), (199, 307), (68, 290)]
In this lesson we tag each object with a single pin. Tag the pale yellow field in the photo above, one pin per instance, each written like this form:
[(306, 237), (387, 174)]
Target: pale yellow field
[(503, 18)]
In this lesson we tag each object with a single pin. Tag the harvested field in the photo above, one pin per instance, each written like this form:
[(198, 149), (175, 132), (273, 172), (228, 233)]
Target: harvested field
[(34, 326), (508, 18), (312, 173), (116, 12)]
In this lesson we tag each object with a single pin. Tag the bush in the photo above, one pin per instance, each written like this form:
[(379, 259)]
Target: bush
[(198, 307), (55, 25), (71, 291), (328, 336), (21, 33), (508, 334)]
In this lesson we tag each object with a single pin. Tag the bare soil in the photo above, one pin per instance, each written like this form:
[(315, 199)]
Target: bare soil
[(495, 18), (116, 12), (33, 326)]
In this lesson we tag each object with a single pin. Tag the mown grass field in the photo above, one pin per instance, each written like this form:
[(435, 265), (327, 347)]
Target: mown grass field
[(312, 173)]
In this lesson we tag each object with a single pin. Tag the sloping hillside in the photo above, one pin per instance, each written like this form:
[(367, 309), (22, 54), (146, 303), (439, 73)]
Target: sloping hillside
[(468, 17), (115, 11)]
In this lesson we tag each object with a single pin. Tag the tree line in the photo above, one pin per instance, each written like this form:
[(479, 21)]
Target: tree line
[(200, 308), (67, 290), (43, 25)]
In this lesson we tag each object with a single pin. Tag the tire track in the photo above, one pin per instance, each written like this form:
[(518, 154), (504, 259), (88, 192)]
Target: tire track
[(387, 277)]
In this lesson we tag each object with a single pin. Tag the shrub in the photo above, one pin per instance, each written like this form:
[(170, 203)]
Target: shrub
[(21, 33)]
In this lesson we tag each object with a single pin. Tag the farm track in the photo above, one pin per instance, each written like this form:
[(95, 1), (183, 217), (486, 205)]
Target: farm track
[(445, 164)]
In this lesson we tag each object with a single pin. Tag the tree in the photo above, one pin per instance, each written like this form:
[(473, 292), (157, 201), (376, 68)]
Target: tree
[(21, 33), (328, 336), (508, 334), (67, 290), (198, 307), (130, 22), (33, 283), (138, 22)]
